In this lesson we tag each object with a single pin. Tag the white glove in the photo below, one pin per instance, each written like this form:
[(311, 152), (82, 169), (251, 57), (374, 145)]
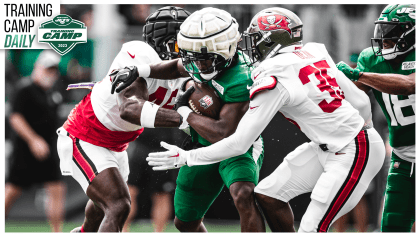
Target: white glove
[(173, 158)]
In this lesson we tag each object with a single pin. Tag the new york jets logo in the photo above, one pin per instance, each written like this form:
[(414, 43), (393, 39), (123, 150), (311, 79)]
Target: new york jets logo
[(62, 33), (406, 10)]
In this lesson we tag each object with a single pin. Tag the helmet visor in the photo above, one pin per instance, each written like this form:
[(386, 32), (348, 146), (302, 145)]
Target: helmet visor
[(387, 31)]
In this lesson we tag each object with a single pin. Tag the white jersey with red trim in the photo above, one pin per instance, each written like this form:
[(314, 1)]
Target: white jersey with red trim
[(304, 85), (161, 92), (96, 119), (316, 101)]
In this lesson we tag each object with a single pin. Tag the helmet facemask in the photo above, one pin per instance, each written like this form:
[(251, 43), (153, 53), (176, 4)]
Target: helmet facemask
[(401, 34), (172, 49), (206, 65), (251, 41)]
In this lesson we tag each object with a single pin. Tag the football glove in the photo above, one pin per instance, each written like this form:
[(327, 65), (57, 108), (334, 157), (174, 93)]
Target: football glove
[(182, 98), (185, 84), (352, 74), (122, 78), (174, 157)]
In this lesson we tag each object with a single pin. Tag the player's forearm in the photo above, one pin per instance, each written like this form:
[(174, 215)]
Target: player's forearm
[(131, 111), (220, 151), (251, 125), (390, 83), (248, 130), (210, 129), (22, 127), (172, 69)]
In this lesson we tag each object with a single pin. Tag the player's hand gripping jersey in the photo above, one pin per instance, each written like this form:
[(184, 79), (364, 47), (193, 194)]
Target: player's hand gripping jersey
[(96, 119), (302, 84)]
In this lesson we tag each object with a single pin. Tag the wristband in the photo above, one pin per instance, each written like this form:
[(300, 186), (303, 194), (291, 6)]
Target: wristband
[(184, 111), (180, 120), (144, 70), (148, 114)]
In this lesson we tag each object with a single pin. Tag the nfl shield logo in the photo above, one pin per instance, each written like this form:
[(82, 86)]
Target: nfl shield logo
[(206, 101)]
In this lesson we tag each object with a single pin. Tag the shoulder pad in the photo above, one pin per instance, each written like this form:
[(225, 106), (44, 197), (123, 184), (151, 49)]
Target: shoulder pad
[(261, 84), (141, 52)]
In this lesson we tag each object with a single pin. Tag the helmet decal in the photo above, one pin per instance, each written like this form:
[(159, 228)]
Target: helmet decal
[(274, 22)]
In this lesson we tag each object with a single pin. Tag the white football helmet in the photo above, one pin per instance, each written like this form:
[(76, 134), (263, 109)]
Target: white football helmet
[(208, 34)]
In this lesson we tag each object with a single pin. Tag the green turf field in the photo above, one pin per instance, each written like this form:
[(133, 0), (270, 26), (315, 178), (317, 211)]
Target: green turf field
[(216, 226), (137, 226)]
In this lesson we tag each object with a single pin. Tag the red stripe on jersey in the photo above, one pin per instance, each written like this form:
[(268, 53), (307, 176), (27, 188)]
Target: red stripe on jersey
[(84, 125)]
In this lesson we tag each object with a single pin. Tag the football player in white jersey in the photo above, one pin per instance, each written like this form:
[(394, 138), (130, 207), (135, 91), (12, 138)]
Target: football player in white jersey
[(303, 84), (92, 142)]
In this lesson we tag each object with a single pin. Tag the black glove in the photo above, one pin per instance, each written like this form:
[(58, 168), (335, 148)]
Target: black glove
[(188, 144), (125, 76), (182, 98), (185, 84)]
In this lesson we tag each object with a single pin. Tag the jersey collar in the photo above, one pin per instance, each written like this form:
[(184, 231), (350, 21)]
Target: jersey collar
[(290, 48)]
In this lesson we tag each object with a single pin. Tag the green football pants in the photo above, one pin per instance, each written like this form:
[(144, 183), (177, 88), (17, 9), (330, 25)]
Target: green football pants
[(399, 207)]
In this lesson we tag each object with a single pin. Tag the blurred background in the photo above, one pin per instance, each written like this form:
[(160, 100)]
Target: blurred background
[(344, 29)]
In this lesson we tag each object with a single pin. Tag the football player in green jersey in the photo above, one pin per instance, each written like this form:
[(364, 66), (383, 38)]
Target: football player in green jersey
[(208, 42), (389, 70)]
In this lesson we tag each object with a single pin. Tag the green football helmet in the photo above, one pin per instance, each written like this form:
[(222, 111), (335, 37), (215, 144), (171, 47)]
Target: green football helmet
[(397, 23)]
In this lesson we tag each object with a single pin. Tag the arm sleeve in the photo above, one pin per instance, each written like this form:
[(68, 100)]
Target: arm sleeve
[(262, 110), (356, 97)]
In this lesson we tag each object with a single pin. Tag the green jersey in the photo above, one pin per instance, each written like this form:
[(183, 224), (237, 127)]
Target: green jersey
[(399, 110), (231, 86)]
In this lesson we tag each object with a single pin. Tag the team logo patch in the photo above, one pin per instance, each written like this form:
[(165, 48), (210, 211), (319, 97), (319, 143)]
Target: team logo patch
[(62, 33), (206, 101), (408, 65), (396, 165), (274, 22)]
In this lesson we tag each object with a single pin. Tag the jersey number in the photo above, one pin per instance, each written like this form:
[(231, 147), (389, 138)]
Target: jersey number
[(327, 83), (158, 97), (395, 107)]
